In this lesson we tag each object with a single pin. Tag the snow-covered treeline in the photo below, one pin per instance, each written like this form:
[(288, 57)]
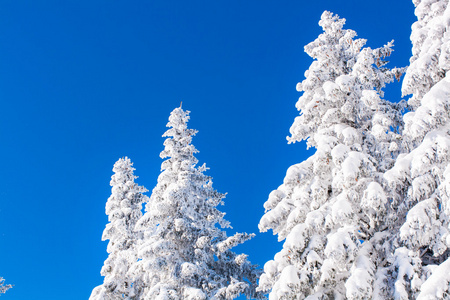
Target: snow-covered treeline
[(367, 216)]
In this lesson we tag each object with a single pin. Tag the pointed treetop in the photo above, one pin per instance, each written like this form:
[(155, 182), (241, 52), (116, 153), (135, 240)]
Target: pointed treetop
[(178, 119), (178, 145)]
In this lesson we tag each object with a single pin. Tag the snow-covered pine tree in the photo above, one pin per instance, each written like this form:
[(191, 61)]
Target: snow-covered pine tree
[(431, 50), (421, 262), (185, 255), (332, 207), (4, 287), (124, 208)]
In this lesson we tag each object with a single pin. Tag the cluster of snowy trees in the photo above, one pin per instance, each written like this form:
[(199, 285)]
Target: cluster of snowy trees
[(178, 248), (367, 216)]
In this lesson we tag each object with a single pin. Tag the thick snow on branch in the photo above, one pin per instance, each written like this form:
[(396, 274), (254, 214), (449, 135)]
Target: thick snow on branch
[(438, 284)]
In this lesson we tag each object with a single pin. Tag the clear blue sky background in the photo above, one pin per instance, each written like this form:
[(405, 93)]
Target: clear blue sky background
[(83, 83)]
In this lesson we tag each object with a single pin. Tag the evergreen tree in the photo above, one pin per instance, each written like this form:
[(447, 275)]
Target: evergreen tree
[(421, 262), (431, 49), (4, 287), (123, 209), (185, 255), (331, 209)]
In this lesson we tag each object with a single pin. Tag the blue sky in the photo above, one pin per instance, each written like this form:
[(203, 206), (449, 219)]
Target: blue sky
[(83, 83)]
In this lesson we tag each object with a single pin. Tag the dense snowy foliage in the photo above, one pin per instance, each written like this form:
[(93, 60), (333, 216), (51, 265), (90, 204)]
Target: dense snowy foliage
[(431, 49), (123, 209), (4, 287), (422, 176), (331, 208), (185, 253)]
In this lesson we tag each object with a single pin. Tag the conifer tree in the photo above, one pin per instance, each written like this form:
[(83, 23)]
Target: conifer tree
[(186, 254), (123, 209), (421, 260), (4, 287), (331, 208), (431, 50)]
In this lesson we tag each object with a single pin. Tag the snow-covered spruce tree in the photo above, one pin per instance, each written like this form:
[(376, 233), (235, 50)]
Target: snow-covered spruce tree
[(123, 209), (421, 262), (4, 287), (332, 208), (185, 255), (431, 49)]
